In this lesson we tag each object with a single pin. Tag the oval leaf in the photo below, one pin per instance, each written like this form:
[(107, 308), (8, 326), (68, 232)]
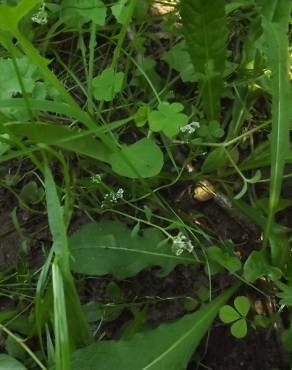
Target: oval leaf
[(242, 304), (239, 329), (142, 159), (228, 314)]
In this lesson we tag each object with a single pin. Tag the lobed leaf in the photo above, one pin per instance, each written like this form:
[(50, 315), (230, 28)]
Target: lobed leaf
[(207, 48), (109, 247)]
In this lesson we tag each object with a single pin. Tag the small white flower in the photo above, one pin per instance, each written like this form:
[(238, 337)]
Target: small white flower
[(181, 243), (41, 17), (190, 128), (96, 179), (112, 197)]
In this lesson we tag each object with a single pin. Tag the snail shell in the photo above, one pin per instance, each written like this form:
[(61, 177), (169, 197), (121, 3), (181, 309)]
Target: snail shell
[(204, 191)]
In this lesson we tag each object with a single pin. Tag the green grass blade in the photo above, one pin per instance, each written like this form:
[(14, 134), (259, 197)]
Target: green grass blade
[(56, 222), (62, 342), (276, 39), (78, 327)]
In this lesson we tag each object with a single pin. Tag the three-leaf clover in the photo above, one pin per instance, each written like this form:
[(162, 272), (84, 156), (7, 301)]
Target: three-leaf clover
[(168, 118), (236, 315), (211, 131), (107, 84)]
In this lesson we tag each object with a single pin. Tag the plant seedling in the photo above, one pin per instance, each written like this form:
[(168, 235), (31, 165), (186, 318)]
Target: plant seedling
[(236, 316)]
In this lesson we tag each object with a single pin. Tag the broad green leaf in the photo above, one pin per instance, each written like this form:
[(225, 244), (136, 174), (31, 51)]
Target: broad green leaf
[(108, 84), (207, 48), (228, 314), (179, 59), (224, 259), (76, 13), (62, 137), (11, 15), (276, 43), (120, 10), (142, 159), (167, 119), (170, 346), (10, 363), (8, 78), (257, 265), (239, 329), (107, 247), (215, 160), (242, 304)]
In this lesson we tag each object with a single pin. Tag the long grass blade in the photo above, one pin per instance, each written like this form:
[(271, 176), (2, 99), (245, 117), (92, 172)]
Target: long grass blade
[(62, 343), (276, 39), (78, 327)]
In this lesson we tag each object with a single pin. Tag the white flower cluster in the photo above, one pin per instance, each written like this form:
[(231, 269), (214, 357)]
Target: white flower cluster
[(190, 128), (41, 17), (181, 243), (96, 179), (112, 197)]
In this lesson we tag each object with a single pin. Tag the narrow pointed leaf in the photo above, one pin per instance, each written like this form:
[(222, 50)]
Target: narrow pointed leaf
[(276, 41), (169, 347)]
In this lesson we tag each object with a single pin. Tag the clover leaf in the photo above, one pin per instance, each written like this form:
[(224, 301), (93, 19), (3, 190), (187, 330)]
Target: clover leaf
[(236, 315), (211, 131), (179, 59), (107, 84), (167, 119)]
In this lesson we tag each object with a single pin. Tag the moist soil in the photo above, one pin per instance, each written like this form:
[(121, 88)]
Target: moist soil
[(164, 296)]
